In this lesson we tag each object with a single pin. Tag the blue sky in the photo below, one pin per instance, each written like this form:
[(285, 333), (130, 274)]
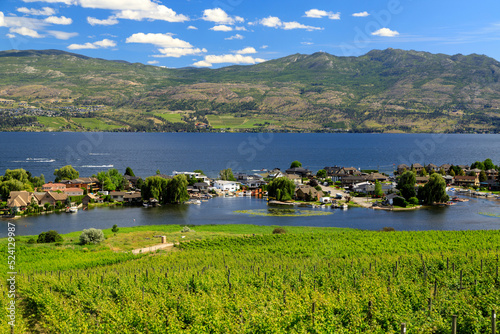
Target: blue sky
[(225, 32)]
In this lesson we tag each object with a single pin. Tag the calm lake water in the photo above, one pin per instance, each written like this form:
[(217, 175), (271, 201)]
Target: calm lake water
[(89, 153)]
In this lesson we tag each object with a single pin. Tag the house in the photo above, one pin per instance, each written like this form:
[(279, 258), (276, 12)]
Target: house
[(417, 167), (303, 172), (295, 178), (403, 168), (53, 186), (352, 179), (364, 187), (226, 185), (53, 198), (89, 183), (275, 174), (91, 198), (133, 197), (19, 200), (445, 167), (201, 186), (307, 193), (389, 199), (73, 191), (466, 180), (189, 175), (132, 181), (432, 167), (117, 195), (330, 171), (377, 177), (251, 181), (422, 179), (448, 179)]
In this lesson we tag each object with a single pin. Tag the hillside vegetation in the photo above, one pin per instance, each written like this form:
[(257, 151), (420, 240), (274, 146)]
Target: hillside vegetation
[(245, 279), (384, 90)]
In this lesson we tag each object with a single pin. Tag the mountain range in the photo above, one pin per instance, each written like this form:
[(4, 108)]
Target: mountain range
[(382, 91)]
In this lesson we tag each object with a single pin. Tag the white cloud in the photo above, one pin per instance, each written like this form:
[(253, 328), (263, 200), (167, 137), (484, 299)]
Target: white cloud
[(59, 20), (317, 14), (240, 28), (271, 21), (202, 63), (11, 35), (247, 50), (306, 43), (297, 25), (217, 15), (275, 22), (105, 43), (361, 14), (228, 58), (153, 62), (159, 12), (45, 11), (62, 34), (106, 22), (192, 28), (2, 20), (179, 52), (222, 27), (162, 40), (66, 2), (25, 32), (237, 36), (385, 32)]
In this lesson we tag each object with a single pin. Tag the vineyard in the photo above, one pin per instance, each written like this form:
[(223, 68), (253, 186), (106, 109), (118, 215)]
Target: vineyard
[(324, 281)]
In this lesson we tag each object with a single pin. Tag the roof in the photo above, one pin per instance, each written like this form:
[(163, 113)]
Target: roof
[(57, 196), (401, 166), (117, 193), (133, 195), (50, 184), (376, 176), (201, 184), (85, 180), (293, 176), (465, 178), (69, 190), (392, 196), (225, 182), (19, 198), (417, 165)]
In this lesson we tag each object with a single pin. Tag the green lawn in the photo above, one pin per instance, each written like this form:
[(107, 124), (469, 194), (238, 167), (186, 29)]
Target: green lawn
[(52, 122), (170, 117), (229, 121), (95, 124)]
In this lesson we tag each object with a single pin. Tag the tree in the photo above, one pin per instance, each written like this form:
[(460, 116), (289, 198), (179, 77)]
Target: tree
[(66, 173), (227, 175), (111, 180), (281, 188), (478, 165), (378, 190), (91, 236), (483, 177), (115, 228), (50, 236), (452, 173), (488, 164), (321, 174), (406, 184), (176, 190), (295, 164), (154, 187), (434, 191), (129, 171), (13, 185)]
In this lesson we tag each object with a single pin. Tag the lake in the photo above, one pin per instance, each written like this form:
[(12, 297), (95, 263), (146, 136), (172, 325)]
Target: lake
[(89, 153)]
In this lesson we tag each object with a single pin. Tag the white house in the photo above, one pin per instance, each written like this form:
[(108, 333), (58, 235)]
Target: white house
[(190, 174), (226, 185), (363, 187)]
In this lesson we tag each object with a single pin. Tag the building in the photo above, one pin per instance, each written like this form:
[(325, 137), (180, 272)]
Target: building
[(73, 191), (19, 200), (307, 193), (117, 195), (364, 187), (295, 178), (226, 185), (303, 172), (198, 176), (403, 168), (54, 186), (53, 198), (133, 197), (466, 180)]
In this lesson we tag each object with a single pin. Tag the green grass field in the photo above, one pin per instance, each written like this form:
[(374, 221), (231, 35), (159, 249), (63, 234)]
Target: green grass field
[(229, 121), (171, 117), (95, 124), (53, 123)]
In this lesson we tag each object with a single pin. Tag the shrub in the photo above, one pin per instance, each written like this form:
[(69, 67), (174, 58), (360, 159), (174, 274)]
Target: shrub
[(115, 228), (31, 241), (186, 229), (387, 229), (50, 236), (413, 201), (279, 230), (398, 201), (91, 236)]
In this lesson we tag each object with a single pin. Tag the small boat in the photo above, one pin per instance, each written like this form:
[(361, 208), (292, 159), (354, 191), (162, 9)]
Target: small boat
[(344, 206), (194, 201), (72, 209), (146, 205)]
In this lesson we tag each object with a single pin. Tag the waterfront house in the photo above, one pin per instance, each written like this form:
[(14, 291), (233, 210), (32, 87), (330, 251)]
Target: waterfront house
[(403, 168), (198, 176), (132, 181), (352, 179), (53, 198), (91, 198), (364, 187), (133, 197), (201, 186), (303, 172), (19, 200), (466, 180), (389, 199), (377, 177), (307, 193), (53, 186), (331, 171), (73, 191), (89, 183), (117, 195), (295, 178), (226, 185)]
